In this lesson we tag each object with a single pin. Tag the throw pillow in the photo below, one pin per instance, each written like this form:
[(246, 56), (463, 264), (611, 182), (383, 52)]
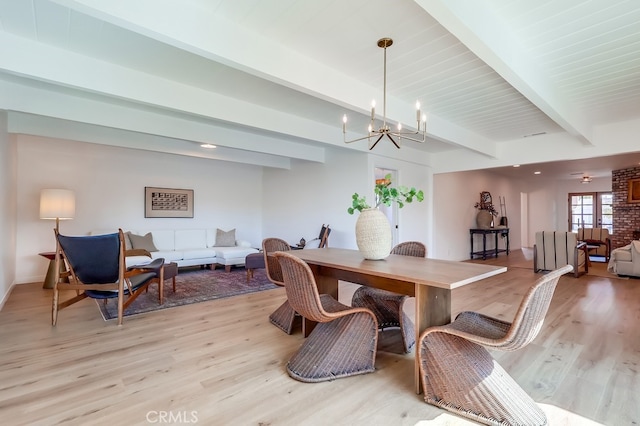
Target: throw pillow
[(127, 241), (225, 239), (142, 242)]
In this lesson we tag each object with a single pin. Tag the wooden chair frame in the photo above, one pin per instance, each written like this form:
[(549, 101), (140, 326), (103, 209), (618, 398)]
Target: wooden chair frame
[(127, 291)]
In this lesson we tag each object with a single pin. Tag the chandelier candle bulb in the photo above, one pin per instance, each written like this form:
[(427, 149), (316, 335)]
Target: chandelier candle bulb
[(384, 131)]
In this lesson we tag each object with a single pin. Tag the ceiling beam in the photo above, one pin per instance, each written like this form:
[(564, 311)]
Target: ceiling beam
[(200, 32), (482, 32)]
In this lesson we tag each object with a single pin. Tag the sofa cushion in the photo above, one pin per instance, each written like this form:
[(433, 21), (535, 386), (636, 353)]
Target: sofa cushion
[(164, 239), (187, 239), (144, 242), (234, 252), (168, 255), (137, 260), (623, 255), (225, 238), (199, 253)]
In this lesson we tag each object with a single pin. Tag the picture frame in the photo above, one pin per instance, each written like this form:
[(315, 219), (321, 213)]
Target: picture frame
[(634, 191), (168, 202)]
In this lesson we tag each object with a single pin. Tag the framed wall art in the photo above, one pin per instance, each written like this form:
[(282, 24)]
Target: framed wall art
[(168, 202), (634, 191)]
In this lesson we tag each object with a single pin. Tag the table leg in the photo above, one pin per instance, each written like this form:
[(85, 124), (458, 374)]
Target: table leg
[(484, 246), (471, 255), (496, 234), (433, 307)]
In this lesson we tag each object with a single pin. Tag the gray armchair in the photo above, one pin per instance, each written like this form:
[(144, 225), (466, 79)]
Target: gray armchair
[(555, 249)]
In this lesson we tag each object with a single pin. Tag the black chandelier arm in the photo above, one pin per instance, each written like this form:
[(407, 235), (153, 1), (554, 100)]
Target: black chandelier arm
[(393, 140), (378, 140)]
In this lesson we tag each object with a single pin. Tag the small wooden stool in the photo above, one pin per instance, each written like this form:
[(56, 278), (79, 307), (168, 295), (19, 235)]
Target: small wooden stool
[(253, 261)]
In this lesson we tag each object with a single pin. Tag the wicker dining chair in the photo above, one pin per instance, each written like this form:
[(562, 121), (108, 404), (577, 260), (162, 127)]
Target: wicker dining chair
[(344, 340), (459, 374), (283, 317), (388, 306)]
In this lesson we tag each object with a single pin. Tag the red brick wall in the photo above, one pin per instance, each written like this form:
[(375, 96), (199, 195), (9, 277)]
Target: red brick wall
[(626, 216)]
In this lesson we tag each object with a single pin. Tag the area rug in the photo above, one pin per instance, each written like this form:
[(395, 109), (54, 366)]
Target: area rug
[(192, 286)]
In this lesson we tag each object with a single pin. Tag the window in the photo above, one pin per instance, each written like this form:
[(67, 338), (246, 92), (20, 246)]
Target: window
[(591, 210)]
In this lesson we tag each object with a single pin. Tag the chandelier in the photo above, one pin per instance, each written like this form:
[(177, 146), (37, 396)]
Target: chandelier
[(374, 136)]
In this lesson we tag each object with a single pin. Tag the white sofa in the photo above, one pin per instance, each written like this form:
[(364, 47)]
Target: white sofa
[(188, 247), (626, 260)]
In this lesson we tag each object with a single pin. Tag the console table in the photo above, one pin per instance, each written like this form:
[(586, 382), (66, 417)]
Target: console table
[(503, 232)]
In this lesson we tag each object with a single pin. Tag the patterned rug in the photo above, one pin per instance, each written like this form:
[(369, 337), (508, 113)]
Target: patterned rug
[(192, 286)]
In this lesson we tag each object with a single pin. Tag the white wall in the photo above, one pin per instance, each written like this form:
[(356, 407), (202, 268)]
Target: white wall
[(298, 201), (548, 202), (8, 179), (291, 213), (109, 185), (455, 195)]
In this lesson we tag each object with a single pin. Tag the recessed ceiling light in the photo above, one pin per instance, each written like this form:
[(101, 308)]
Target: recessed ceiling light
[(516, 165), (537, 173), (208, 146)]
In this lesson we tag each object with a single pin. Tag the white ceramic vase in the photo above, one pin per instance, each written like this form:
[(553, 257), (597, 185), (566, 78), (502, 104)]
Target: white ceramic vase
[(373, 234)]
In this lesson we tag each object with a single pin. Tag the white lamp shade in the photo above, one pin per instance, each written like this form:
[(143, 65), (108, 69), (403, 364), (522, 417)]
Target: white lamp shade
[(57, 204)]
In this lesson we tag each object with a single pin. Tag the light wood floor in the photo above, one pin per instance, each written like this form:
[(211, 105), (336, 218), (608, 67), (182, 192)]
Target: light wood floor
[(223, 363)]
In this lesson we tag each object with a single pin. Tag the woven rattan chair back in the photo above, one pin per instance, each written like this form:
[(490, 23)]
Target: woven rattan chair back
[(460, 375), (530, 316), (272, 266), (410, 248), (388, 306), (302, 291)]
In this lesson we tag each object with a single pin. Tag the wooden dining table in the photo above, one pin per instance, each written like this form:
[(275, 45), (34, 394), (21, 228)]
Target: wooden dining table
[(430, 281)]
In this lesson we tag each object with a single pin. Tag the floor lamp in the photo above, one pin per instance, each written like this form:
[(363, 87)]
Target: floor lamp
[(58, 204)]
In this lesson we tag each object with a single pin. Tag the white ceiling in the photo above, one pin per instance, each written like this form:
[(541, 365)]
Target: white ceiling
[(489, 73)]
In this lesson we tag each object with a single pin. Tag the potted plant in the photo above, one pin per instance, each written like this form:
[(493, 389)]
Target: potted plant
[(386, 194), (373, 231)]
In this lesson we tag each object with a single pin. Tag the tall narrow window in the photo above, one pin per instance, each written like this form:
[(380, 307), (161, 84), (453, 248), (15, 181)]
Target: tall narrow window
[(591, 210), (605, 217)]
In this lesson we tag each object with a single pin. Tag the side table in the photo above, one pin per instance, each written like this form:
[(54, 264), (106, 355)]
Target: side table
[(504, 232), (50, 278)]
